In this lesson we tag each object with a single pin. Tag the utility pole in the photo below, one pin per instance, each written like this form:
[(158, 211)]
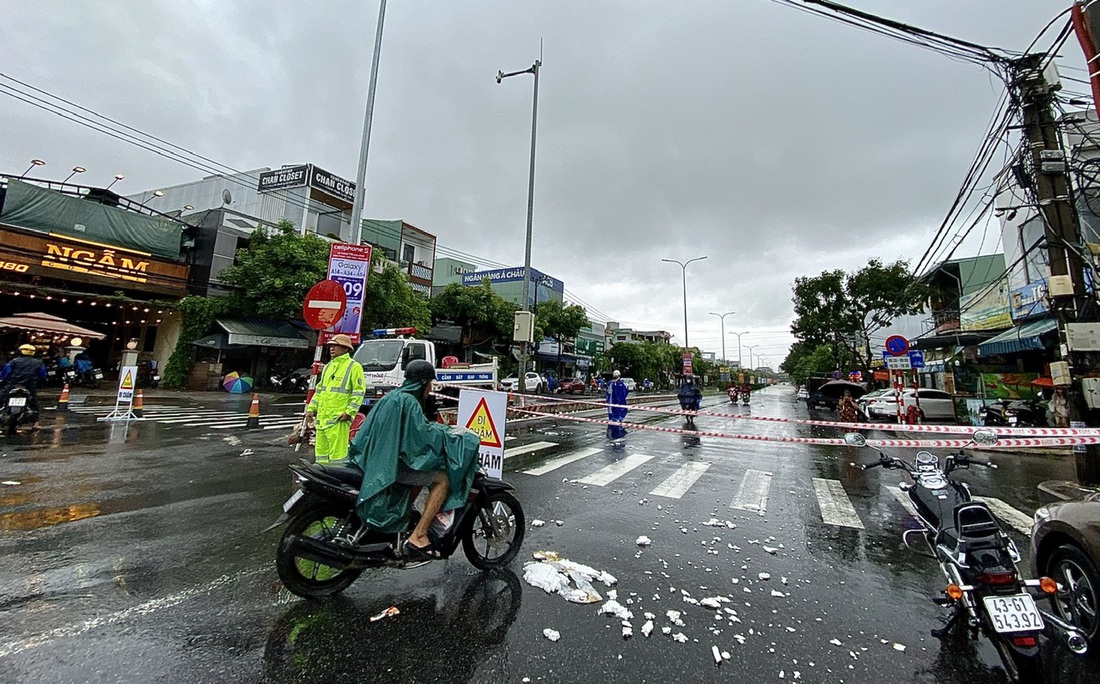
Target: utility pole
[(1050, 184)]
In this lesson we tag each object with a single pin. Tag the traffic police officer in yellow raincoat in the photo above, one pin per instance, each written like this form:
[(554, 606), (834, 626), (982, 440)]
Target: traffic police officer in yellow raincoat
[(337, 399)]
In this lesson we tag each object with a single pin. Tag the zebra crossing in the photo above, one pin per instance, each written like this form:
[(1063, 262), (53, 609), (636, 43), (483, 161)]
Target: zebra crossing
[(199, 417), (751, 491)]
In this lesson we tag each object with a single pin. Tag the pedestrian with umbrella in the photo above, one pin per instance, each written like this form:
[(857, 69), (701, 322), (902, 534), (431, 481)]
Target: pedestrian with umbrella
[(337, 398)]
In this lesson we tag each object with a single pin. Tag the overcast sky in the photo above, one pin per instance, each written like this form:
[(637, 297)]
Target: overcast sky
[(776, 143)]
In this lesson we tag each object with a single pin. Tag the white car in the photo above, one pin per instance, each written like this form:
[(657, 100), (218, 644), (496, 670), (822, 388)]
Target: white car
[(933, 404), (533, 382), (871, 396), (630, 384)]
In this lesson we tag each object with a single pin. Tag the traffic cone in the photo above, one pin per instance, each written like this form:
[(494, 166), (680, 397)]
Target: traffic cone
[(254, 413), (138, 407), (63, 402)]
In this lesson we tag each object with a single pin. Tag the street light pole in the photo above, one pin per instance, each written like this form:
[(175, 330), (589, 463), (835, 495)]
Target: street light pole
[(530, 202), (34, 163), (739, 334), (361, 172), (722, 317), (751, 347), (683, 267)]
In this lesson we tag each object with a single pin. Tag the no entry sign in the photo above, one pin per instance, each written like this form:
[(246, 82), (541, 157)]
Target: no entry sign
[(324, 305)]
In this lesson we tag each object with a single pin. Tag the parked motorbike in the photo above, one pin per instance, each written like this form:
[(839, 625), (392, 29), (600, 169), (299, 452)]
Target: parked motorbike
[(985, 590), (148, 375), (17, 408), (89, 377), (325, 546), (294, 382), (1014, 413)]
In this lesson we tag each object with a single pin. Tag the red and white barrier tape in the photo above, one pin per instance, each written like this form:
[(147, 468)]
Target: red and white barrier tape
[(885, 427)]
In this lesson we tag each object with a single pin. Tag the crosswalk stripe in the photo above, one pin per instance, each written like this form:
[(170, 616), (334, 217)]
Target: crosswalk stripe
[(836, 507), (903, 499), (752, 495), (1018, 519), (680, 481), (609, 474), (560, 461), (528, 448)]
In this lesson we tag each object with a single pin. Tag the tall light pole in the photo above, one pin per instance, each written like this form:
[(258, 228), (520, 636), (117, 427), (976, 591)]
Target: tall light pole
[(683, 267), (76, 170), (530, 201), (34, 163), (118, 177), (722, 317), (739, 334), (750, 354), (368, 117)]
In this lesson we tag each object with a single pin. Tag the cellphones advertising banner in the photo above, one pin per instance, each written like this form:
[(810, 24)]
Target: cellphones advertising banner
[(349, 265)]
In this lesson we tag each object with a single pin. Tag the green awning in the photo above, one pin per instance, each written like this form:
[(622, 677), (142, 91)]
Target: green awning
[(1024, 337), (262, 332)]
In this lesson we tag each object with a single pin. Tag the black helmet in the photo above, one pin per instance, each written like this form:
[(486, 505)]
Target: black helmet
[(420, 371)]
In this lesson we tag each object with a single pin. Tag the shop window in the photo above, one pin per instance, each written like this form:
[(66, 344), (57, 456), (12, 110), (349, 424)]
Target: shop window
[(409, 254)]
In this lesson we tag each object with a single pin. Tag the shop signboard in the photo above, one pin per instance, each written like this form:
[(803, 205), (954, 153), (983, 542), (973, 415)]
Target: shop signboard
[(987, 309), (284, 178), (330, 183), (349, 265)]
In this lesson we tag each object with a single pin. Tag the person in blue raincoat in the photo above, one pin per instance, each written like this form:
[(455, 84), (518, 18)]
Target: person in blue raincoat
[(616, 394), (397, 445)]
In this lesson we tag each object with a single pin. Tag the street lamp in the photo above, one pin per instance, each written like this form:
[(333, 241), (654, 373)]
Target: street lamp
[(34, 163), (360, 196), (156, 193), (750, 348), (683, 268), (530, 200), (76, 170), (118, 177), (739, 334), (722, 317)]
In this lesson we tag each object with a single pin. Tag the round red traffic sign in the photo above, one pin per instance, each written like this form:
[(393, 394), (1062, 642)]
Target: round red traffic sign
[(325, 304), (896, 345)]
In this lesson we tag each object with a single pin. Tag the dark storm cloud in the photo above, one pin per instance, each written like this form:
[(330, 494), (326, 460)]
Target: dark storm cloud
[(777, 143)]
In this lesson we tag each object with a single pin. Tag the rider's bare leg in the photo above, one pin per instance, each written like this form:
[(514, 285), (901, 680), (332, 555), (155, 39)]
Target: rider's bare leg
[(440, 488)]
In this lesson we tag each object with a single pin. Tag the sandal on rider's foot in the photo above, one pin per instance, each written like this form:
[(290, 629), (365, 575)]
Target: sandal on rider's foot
[(420, 553)]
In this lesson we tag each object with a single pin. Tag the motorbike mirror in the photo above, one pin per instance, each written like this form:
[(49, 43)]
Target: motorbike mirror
[(855, 439), (985, 437)]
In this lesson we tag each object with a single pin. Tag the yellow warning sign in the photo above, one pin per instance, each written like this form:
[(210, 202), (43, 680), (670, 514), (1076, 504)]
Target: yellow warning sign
[(127, 381), (481, 424)]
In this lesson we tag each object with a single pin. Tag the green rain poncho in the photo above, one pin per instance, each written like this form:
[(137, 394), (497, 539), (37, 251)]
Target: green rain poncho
[(396, 428)]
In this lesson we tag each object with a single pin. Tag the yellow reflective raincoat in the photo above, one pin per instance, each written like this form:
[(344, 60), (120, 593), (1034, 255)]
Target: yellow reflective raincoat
[(339, 390)]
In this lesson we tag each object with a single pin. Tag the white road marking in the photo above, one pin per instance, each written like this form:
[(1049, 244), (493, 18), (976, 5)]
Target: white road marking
[(528, 448), (904, 500), (556, 463), (1016, 518), (18, 646), (609, 474), (680, 481), (752, 495), (836, 507)]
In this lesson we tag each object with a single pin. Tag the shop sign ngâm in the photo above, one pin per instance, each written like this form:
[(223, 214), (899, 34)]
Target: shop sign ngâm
[(106, 262)]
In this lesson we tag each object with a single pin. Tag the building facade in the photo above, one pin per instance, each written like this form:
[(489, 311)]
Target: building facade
[(411, 248)]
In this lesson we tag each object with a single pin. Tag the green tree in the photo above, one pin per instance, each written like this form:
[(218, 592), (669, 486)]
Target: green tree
[(484, 316), (559, 322), (273, 274), (390, 301), (806, 360), (843, 310)]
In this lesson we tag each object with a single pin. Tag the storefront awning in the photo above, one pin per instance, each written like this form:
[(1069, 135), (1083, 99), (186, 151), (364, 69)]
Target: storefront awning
[(45, 323), (1024, 337), (262, 332), (215, 341)]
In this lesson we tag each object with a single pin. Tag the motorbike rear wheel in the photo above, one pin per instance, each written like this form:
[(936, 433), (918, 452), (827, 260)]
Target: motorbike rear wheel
[(306, 578), (497, 533), (1028, 669)]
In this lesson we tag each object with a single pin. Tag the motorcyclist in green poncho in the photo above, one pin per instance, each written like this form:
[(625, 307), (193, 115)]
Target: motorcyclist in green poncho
[(397, 445)]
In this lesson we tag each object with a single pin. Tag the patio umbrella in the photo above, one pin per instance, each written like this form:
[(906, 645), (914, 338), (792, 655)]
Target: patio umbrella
[(835, 389), (235, 383)]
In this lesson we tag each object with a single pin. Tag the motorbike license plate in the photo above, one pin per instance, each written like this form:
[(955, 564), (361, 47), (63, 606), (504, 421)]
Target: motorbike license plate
[(17, 401), (99, 376), (1013, 613), (293, 500)]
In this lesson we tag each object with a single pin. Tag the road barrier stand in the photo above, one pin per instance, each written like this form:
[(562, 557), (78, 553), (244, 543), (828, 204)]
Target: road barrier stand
[(254, 413), (139, 404), (63, 402)]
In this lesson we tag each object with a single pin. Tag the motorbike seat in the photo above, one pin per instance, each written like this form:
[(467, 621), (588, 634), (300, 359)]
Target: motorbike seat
[(344, 472), (972, 525)]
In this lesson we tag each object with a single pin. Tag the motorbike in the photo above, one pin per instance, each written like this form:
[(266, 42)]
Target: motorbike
[(1014, 413), (325, 547), (148, 375), (17, 408), (294, 381), (732, 394), (745, 394), (985, 591)]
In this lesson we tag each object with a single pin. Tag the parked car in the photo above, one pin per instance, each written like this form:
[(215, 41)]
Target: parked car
[(932, 404), (572, 386), (630, 384), (532, 382), (803, 394), (1065, 545), (866, 398)]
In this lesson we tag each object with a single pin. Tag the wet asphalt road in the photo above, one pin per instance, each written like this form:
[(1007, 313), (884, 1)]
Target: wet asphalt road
[(132, 554)]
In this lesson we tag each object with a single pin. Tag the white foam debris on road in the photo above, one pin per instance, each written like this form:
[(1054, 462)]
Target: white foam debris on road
[(764, 576), (770, 549), (572, 581), (552, 635), (778, 594), (835, 642), (899, 647), (679, 636), (717, 655), (647, 628), (615, 608), (537, 523), (643, 541)]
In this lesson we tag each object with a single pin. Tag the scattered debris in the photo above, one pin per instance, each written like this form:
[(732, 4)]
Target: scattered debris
[(770, 549), (559, 523), (835, 642), (573, 581), (389, 612), (628, 630), (717, 655), (643, 541), (778, 594), (647, 628), (552, 635), (247, 452), (899, 647), (615, 608), (764, 576), (10, 483), (679, 636), (537, 523)]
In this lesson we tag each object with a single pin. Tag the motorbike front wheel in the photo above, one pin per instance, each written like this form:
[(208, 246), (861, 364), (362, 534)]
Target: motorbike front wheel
[(497, 532), (304, 577)]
